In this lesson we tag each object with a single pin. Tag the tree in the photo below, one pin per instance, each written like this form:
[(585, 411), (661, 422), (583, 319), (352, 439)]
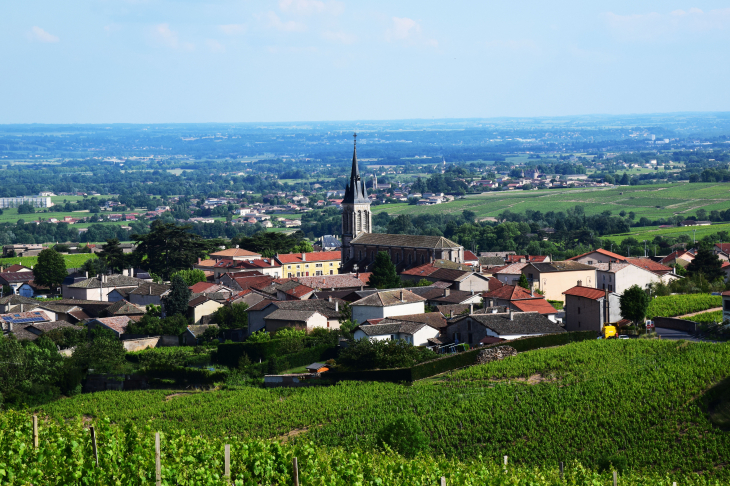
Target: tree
[(168, 248), (104, 354), (232, 316), (522, 282), (384, 275), (423, 283), (154, 326), (191, 276), (403, 435), (50, 269), (634, 303), (94, 266), (706, 263), (176, 302), (113, 255)]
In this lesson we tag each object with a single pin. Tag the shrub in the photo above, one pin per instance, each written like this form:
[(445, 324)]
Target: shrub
[(368, 355), (403, 435)]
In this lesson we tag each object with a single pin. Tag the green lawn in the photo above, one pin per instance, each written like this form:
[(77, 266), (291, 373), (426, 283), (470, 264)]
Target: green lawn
[(654, 201), (650, 232), (72, 261)]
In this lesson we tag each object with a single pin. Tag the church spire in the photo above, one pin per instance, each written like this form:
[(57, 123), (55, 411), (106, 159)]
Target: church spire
[(355, 191)]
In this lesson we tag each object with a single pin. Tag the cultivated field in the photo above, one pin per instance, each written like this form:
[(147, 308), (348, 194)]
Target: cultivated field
[(653, 201), (72, 261)]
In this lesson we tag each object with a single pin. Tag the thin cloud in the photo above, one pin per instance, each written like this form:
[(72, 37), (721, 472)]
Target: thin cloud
[(519, 45), (233, 29), (214, 46), (167, 37), (40, 35), (339, 37), (309, 7), (654, 25), (271, 20), (408, 31)]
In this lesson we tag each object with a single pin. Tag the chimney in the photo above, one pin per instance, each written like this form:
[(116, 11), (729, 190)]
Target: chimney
[(329, 298), (10, 327), (609, 265), (236, 246), (511, 315), (606, 308), (447, 292), (304, 257), (401, 295), (580, 283), (337, 306), (86, 274), (199, 260), (471, 308), (150, 289)]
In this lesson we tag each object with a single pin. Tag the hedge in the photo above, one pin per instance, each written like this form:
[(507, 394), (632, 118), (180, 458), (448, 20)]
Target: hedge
[(460, 360), (229, 353), (306, 357), (183, 375)]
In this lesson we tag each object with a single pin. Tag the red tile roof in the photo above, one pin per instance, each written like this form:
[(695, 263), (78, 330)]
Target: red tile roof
[(421, 270), (495, 283), (201, 287), (16, 268), (119, 324), (587, 292), (234, 252), (650, 265), (319, 256), (607, 253), (723, 247), (331, 281), (674, 255), (534, 305), (511, 269), (299, 291), (509, 292), (528, 258), (11, 277), (470, 257), (257, 282)]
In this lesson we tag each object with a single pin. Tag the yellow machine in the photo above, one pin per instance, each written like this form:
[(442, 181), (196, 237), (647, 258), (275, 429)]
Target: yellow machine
[(610, 332)]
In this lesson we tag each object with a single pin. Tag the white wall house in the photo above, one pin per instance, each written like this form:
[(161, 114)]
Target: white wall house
[(617, 277), (414, 333), (389, 303)]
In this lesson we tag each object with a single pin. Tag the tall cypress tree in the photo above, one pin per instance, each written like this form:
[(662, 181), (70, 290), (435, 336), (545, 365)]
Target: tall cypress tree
[(384, 275), (176, 302)]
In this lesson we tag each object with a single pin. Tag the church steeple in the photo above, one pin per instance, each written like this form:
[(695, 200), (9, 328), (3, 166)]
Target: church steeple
[(355, 191)]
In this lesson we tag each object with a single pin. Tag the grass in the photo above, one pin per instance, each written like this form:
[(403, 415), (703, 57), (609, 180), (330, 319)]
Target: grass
[(650, 232), (654, 201), (72, 261)]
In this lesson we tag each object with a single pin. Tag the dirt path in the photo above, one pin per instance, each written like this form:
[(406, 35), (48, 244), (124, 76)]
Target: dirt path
[(700, 312)]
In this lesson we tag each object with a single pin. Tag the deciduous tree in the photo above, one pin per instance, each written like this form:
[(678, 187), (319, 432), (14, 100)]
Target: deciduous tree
[(50, 269)]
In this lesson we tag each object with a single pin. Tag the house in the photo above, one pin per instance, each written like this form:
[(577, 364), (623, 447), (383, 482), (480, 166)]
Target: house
[(470, 258), (527, 259), (310, 264), (508, 274), (692, 222), (472, 329), (123, 308), (239, 282), (15, 280), (387, 303), (117, 325), (445, 296), (598, 256), (722, 250), (40, 328), (235, 254), (589, 309), (293, 290), (193, 334), (98, 288), (330, 309), (58, 312), (666, 273), (552, 279), (264, 266), (519, 299), (726, 305), (15, 268), (298, 319), (679, 257), (250, 297), (347, 281), (16, 303), (726, 269), (617, 277), (32, 289), (459, 276), (201, 306), (149, 293), (417, 334)]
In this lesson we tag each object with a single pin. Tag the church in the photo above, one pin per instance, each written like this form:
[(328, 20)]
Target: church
[(360, 245)]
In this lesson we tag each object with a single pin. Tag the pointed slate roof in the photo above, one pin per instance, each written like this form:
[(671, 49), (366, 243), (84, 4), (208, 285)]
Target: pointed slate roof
[(355, 192), (404, 241)]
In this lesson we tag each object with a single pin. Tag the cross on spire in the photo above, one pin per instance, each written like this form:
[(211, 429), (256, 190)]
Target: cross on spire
[(354, 135)]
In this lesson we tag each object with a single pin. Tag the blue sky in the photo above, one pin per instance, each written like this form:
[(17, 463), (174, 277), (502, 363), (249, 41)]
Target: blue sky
[(154, 61)]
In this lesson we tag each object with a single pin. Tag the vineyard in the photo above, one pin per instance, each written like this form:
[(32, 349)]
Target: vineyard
[(587, 402), (677, 305), (126, 456), (706, 317), (72, 261)]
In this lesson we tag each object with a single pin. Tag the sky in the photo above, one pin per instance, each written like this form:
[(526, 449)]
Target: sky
[(185, 61)]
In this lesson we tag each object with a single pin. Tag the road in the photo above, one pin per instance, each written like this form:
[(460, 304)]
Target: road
[(672, 334)]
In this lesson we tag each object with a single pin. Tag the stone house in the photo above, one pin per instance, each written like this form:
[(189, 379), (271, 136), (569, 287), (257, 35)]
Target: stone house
[(387, 303), (471, 329), (589, 309)]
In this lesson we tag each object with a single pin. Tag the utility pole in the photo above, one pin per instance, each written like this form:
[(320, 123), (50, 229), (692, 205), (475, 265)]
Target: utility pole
[(645, 249), (694, 237)]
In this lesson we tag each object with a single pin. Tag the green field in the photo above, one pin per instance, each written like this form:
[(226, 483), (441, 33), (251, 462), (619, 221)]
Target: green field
[(652, 201), (650, 232), (72, 261), (644, 404)]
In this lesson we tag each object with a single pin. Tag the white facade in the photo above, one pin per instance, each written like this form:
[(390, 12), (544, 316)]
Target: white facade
[(621, 280), (35, 201), (361, 313), (418, 338)]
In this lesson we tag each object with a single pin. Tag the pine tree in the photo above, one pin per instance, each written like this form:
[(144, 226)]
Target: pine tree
[(522, 282), (176, 301), (113, 255), (384, 275), (50, 270)]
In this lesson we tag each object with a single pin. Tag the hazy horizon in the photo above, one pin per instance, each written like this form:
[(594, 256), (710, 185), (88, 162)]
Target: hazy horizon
[(236, 61)]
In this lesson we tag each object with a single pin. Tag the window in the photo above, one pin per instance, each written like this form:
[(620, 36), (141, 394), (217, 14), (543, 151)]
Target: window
[(468, 325), (610, 288), (298, 266), (578, 323), (471, 338), (529, 275), (318, 273), (319, 265), (590, 262), (726, 305), (299, 274), (392, 337), (332, 272), (578, 310)]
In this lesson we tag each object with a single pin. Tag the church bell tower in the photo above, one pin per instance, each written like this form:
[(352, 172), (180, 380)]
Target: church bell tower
[(356, 216)]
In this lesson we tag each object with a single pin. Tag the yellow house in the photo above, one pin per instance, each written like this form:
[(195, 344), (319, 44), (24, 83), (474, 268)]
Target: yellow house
[(202, 306), (311, 264), (555, 278)]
